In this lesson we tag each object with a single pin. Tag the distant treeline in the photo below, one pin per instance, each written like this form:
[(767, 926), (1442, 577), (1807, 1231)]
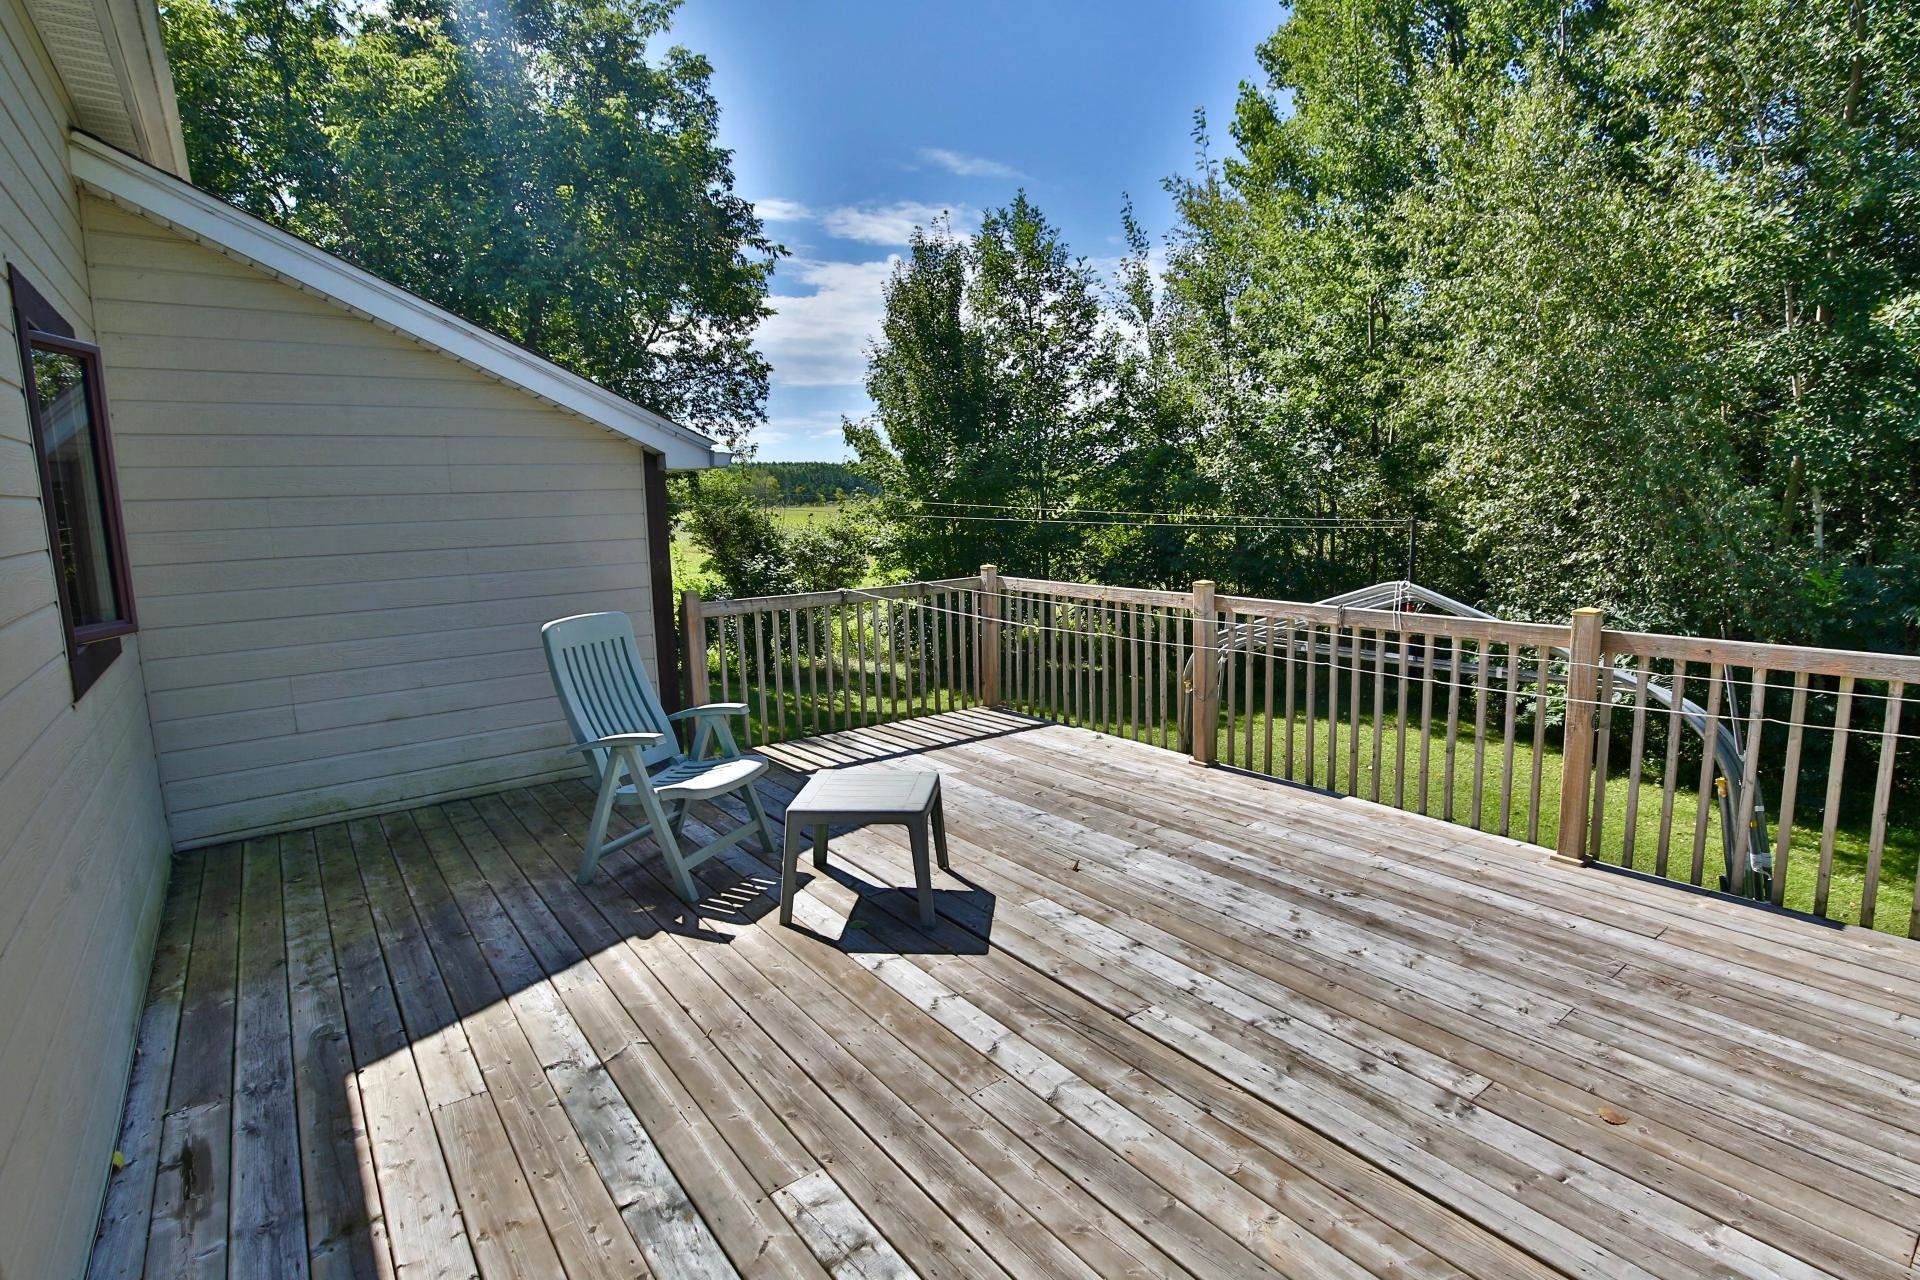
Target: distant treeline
[(803, 484)]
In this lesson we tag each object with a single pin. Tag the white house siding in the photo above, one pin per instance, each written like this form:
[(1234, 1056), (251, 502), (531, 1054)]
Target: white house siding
[(83, 839), (344, 544)]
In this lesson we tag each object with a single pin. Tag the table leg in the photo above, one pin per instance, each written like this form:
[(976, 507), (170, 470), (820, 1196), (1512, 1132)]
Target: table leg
[(789, 871), (922, 875), (940, 831), (820, 846)]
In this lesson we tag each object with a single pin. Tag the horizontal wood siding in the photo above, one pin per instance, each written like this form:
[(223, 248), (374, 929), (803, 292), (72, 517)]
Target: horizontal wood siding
[(83, 839), (344, 545)]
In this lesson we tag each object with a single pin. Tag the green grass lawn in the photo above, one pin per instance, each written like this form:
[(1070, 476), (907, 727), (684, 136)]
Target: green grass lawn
[(1848, 879)]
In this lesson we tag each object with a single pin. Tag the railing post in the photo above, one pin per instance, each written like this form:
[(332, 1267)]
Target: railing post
[(1576, 758), (987, 635), (1201, 712), (693, 643)]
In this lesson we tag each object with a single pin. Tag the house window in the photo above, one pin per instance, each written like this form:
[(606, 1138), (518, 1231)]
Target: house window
[(67, 405)]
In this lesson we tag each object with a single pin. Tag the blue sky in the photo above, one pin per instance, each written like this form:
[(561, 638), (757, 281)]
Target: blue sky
[(851, 121)]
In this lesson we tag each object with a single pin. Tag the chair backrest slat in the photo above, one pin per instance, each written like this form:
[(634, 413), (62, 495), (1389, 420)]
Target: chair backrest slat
[(602, 683)]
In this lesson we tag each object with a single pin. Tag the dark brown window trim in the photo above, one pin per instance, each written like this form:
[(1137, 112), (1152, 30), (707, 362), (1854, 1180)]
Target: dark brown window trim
[(91, 649)]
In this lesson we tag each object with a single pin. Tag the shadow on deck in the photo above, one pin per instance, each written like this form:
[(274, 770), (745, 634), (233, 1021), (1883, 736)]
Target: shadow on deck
[(1172, 1021)]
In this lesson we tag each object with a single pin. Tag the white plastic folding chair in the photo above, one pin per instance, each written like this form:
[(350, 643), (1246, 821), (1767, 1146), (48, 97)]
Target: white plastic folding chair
[(619, 724)]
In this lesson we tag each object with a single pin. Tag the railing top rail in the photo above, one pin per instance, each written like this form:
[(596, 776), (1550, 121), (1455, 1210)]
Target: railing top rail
[(1494, 630), (1090, 591), (1772, 657), (817, 599)]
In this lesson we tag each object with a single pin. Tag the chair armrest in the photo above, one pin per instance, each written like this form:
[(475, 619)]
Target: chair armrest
[(621, 740), (711, 709)]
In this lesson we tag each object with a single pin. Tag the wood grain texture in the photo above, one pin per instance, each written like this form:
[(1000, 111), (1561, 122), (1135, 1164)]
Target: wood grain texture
[(1170, 1022)]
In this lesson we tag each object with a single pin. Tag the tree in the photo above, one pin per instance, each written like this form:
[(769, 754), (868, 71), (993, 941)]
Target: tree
[(991, 384), (1619, 296), (524, 165)]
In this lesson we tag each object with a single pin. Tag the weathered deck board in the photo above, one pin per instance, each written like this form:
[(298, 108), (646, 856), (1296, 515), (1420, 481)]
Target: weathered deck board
[(1172, 1022)]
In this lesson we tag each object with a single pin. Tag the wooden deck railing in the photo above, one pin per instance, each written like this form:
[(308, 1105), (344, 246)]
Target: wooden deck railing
[(811, 664), (1559, 736)]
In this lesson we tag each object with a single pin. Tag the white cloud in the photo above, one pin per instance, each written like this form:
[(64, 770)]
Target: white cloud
[(967, 166), (820, 339), (890, 224), (778, 210)]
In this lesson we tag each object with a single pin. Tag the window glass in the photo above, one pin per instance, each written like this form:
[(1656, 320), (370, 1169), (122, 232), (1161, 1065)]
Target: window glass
[(78, 503)]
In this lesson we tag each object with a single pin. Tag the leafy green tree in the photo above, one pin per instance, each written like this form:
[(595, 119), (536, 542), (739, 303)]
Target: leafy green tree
[(992, 384), (525, 165), (935, 435)]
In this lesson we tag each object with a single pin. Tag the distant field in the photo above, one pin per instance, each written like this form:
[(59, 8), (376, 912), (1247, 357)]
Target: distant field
[(689, 565)]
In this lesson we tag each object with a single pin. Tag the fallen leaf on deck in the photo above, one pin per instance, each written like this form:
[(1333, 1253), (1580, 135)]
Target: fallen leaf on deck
[(1612, 1116)]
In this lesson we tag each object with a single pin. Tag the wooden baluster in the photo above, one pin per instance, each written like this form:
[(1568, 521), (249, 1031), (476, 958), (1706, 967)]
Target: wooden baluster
[(832, 706), (1333, 706), (1836, 774), (1483, 675), (1426, 714), (1133, 670), (1882, 798), (1510, 714), (1543, 659), (1293, 662), (1790, 786), (1604, 716), (1716, 680), (896, 638), (1749, 784), (779, 672), (1267, 765), (1229, 656), (1352, 720), (1670, 781), (863, 657), (1453, 726), (1313, 717), (813, 672), (760, 679), (1379, 706), (1400, 722), (726, 685), (1636, 756), (919, 666), (849, 710), (1080, 664)]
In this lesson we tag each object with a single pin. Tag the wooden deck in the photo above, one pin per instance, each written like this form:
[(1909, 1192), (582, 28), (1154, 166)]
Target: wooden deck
[(1174, 1021)]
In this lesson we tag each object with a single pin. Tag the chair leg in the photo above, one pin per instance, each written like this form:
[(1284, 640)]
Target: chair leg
[(760, 819), (602, 814), (669, 847), (820, 846), (922, 876)]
